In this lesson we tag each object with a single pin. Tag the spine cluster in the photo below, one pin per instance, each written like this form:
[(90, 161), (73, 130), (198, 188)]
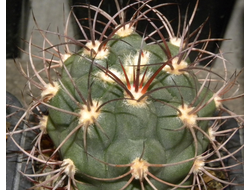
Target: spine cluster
[(128, 110)]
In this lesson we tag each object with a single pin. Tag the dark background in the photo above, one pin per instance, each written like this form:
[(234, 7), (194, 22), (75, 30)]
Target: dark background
[(218, 11)]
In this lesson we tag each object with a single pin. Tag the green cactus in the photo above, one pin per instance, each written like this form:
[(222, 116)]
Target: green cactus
[(126, 113), (116, 124)]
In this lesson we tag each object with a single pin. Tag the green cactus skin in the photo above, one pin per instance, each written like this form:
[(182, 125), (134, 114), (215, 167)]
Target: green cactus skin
[(128, 114), (125, 129)]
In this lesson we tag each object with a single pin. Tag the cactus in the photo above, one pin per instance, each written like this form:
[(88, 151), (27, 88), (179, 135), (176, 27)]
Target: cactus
[(128, 110)]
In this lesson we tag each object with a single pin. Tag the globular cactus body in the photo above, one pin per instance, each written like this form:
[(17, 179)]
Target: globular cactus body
[(127, 111), (117, 127)]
